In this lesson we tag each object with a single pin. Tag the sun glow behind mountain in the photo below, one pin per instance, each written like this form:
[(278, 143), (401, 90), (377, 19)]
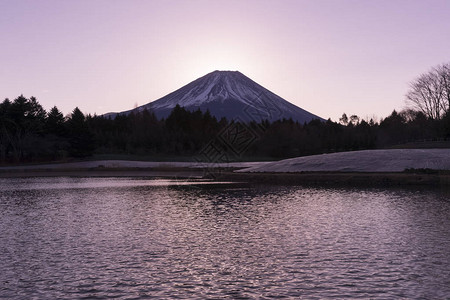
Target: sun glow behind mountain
[(225, 55)]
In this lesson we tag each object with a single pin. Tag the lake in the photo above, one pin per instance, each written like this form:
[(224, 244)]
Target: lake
[(140, 238)]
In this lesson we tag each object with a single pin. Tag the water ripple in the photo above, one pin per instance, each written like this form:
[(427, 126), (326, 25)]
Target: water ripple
[(104, 238)]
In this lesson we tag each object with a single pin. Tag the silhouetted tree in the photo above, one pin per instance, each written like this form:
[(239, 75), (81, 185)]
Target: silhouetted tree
[(344, 119), (80, 136), (354, 120), (54, 123), (430, 92), (22, 123)]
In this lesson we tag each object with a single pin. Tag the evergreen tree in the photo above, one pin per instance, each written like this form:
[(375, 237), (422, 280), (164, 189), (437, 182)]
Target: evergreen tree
[(80, 136), (54, 123)]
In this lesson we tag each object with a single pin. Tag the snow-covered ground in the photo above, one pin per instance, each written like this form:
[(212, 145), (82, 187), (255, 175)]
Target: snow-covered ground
[(362, 161)]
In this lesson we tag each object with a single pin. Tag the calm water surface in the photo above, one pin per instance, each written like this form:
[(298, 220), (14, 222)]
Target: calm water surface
[(137, 238)]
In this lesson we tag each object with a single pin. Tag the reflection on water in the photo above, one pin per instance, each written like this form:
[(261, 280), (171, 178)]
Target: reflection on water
[(139, 238), (46, 183)]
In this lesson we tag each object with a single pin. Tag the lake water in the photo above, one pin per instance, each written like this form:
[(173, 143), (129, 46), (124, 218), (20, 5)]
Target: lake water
[(139, 238)]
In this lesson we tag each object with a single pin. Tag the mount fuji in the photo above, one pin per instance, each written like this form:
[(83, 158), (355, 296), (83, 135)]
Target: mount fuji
[(228, 94)]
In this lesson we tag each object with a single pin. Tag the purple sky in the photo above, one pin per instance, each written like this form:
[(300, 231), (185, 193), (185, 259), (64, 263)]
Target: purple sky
[(327, 57)]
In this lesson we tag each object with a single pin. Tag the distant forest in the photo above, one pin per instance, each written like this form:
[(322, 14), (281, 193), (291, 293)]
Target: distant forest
[(28, 133)]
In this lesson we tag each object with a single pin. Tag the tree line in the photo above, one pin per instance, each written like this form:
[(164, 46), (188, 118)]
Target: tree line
[(29, 133)]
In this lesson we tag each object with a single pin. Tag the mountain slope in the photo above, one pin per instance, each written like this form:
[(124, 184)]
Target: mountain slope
[(228, 94)]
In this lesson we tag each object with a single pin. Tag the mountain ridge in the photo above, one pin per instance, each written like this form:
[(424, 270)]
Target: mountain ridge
[(228, 94)]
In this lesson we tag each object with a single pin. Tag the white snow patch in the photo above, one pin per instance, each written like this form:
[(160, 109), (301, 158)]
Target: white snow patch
[(362, 161)]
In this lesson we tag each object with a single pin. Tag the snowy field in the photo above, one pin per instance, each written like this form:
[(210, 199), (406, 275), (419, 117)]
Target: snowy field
[(362, 161)]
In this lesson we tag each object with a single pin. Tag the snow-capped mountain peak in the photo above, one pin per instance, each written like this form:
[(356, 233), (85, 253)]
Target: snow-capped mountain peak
[(228, 94), (215, 86)]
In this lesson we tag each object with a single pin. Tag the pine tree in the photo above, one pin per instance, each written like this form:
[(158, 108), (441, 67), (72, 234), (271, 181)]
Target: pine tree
[(80, 136)]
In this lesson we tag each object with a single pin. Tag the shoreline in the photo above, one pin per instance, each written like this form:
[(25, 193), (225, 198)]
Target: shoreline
[(167, 172), (357, 179), (383, 168), (368, 179)]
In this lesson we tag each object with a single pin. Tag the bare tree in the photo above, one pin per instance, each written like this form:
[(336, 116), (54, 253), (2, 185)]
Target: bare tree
[(444, 76), (430, 92)]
